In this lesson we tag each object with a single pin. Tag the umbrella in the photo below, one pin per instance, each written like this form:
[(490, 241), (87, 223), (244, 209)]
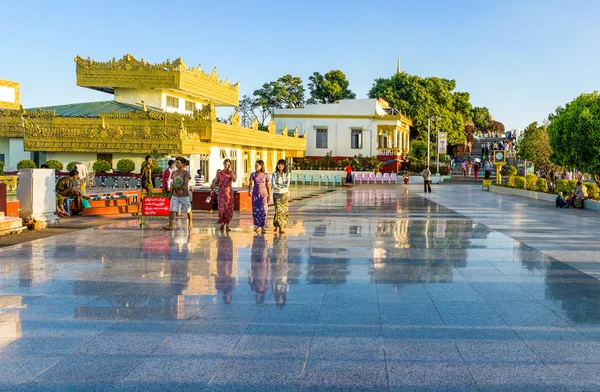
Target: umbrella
[(477, 160)]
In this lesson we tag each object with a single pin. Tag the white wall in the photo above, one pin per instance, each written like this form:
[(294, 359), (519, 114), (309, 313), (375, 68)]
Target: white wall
[(215, 162), (4, 149), (14, 151), (339, 131), (363, 107), (154, 98), (136, 96), (8, 94), (86, 158), (137, 158), (182, 99)]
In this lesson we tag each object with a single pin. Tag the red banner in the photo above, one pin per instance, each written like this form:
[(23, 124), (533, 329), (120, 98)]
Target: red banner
[(156, 206)]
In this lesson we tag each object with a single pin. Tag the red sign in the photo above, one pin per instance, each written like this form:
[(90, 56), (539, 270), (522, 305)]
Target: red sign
[(156, 206)]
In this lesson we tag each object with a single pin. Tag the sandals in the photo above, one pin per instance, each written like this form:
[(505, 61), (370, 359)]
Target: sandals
[(168, 227)]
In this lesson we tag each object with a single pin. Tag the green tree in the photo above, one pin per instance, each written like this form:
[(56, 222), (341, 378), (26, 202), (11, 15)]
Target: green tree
[(422, 98), (535, 147), (574, 134), (284, 93), (246, 108), (481, 118), (329, 88)]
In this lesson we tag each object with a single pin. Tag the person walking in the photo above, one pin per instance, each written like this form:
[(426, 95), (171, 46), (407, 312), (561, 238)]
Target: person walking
[(260, 192), (426, 180), (280, 182), (486, 169), (166, 179), (180, 194), (146, 174), (214, 192), (476, 167), (225, 179), (469, 167), (349, 179), (463, 167)]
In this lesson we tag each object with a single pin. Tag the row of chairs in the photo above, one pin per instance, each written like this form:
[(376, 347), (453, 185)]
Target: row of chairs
[(122, 182), (321, 179), (369, 178)]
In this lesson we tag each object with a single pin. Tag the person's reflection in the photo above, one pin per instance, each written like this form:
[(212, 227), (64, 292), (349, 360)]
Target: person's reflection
[(280, 270), (224, 282), (260, 268), (179, 256)]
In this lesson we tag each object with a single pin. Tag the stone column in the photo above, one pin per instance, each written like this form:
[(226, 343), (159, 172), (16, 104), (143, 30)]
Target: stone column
[(36, 194)]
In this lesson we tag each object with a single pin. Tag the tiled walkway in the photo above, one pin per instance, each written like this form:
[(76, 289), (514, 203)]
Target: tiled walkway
[(368, 290)]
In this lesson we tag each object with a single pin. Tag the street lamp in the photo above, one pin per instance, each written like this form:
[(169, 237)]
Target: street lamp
[(433, 117)]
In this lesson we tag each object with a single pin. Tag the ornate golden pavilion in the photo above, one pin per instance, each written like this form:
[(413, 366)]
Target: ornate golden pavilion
[(142, 118)]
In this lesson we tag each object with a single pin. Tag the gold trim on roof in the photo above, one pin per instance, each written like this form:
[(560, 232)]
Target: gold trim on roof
[(128, 72), (135, 132)]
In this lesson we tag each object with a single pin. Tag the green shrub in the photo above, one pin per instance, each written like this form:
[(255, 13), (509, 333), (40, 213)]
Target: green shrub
[(593, 191), (519, 182), (531, 180), (567, 187), (26, 164), (54, 164), (445, 170), (509, 170), (511, 181), (1, 168), (418, 165), (101, 166), (125, 166), (541, 185), (71, 165)]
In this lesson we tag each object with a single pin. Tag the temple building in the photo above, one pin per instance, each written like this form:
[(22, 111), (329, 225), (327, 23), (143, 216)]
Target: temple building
[(163, 109), (367, 127), (11, 139)]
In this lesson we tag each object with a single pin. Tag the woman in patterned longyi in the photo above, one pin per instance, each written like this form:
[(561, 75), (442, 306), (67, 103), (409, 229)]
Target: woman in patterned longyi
[(224, 182), (260, 192)]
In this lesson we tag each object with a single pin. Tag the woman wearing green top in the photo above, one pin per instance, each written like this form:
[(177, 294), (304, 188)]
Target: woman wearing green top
[(280, 182)]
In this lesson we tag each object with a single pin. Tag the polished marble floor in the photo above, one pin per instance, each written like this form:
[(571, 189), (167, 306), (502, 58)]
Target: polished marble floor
[(369, 290)]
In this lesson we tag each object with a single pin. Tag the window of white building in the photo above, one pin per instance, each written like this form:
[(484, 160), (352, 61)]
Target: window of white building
[(321, 137), (356, 138), (172, 102), (204, 168), (190, 106), (384, 140), (234, 160)]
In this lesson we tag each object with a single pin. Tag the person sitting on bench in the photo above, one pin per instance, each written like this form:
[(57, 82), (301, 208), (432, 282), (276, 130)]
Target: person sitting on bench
[(561, 202), (65, 188)]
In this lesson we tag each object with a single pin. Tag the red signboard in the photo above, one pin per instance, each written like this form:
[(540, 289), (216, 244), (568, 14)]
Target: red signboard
[(156, 206)]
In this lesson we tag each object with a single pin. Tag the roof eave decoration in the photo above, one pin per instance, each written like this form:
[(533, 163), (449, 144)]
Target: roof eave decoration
[(128, 72)]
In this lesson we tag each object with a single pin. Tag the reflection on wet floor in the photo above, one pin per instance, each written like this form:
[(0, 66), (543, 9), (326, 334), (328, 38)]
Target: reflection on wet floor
[(369, 289)]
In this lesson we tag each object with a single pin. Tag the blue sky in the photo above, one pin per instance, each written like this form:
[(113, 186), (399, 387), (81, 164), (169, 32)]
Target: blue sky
[(521, 59)]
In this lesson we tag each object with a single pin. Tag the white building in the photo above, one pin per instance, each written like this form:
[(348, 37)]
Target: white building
[(369, 127)]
